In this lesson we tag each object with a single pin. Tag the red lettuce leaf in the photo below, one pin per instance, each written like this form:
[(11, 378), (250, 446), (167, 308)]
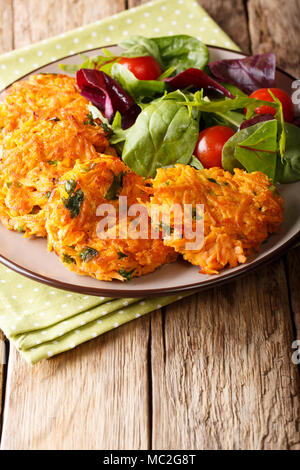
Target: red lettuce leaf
[(248, 74), (197, 79), (256, 120), (107, 95)]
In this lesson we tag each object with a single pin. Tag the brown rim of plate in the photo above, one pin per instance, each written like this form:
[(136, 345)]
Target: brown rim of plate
[(213, 282)]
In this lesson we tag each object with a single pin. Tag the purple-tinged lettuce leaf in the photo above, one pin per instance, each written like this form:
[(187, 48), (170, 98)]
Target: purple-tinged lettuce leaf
[(248, 74), (256, 120), (197, 79), (107, 95)]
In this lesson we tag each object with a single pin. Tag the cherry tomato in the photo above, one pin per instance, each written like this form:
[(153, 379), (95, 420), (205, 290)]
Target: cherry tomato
[(143, 68), (287, 104), (210, 145)]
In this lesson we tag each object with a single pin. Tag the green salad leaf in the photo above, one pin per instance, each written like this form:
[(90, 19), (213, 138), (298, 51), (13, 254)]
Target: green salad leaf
[(288, 169), (181, 51), (117, 134), (138, 46), (164, 133), (105, 62), (232, 119), (195, 162), (138, 89), (253, 149), (227, 104)]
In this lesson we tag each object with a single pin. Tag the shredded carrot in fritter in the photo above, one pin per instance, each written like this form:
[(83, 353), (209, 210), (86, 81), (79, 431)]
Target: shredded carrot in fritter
[(45, 130), (240, 211), (71, 236)]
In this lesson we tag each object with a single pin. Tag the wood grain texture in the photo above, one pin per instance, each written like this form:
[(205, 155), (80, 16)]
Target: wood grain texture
[(231, 16), (93, 397), (53, 17), (222, 373), (6, 26), (293, 268), (274, 26)]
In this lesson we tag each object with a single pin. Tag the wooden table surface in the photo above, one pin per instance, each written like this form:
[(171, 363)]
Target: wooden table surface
[(214, 371)]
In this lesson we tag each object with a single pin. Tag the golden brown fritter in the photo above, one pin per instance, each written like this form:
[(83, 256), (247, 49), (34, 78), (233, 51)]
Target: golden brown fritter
[(33, 158), (45, 129), (73, 230), (40, 97), (240, 211)]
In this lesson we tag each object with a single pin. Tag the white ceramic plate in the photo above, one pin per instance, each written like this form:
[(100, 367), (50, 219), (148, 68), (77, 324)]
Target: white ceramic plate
[(31, 258)]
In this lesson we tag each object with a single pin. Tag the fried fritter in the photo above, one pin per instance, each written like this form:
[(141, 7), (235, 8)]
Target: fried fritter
[(40, 97), (45, 128), (73, 230), (33, 158), (240, 211)]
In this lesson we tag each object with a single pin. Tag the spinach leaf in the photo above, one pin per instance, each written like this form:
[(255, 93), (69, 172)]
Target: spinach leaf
[(74, 202), (164, 133), (103, 62), (194, 162), (137, 46), (138, 89), (88, 253), (253, 149), (233, 119), (180, 52), (225, 105), (288, 169), (116, 186), (116, 134)]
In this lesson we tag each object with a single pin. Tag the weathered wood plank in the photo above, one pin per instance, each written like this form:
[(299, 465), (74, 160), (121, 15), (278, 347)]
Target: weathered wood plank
[(293, 266), (231, 16), (6, 26), (274, 26), (93, 397), (222, 373), (55, 17)]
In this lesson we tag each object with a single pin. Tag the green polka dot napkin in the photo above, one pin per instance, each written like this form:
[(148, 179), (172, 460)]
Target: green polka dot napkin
[(42, 321)]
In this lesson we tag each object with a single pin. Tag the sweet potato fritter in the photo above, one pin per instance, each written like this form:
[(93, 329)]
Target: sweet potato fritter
[(40, 97), (45, 130), (240, 211), (73, 230)]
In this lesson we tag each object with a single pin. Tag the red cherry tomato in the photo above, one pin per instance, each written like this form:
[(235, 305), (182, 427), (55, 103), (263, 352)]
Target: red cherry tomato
[(143, 68), (287, 104), (210, 145)]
